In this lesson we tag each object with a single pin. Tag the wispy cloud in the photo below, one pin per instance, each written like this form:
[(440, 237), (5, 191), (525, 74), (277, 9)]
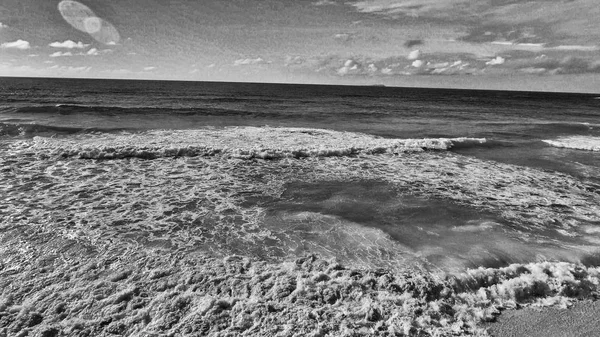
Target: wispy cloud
[(245, 62), (496, 61), (149, 68), (432, 8), (93, 52), (553, 66), (19, 44), (96, 52), (61, 54), (345, 37), (324, 3), (576, 48), (293, 60), (413, 55), (516, 21), (69, 44), (70, 69)]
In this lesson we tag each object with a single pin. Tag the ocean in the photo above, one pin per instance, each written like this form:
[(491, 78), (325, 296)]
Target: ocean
[(432, 181)]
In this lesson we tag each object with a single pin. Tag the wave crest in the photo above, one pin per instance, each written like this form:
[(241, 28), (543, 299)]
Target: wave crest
[(244, 143), (32, 130), (576, 142)]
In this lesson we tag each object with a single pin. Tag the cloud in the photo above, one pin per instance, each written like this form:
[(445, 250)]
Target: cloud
[(93, 52), (324, 3), (395, 66), (518, 21), (61, 54), (96, 52), (578, 48), (413, 55), (554, 66), (149, 68), (417, 63), (3, 25), (69, 44), (350, 67), (244, 62), (70, 70), (293, 60), (507, 34), (534, 71), (496, 61), (19, 44), (345, 37), (431, 8)]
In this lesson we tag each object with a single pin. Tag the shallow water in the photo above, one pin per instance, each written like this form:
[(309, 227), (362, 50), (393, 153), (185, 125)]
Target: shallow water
[(448, 235)]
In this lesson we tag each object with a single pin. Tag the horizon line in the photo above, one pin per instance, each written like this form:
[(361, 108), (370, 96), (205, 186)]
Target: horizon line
[(374, 85)]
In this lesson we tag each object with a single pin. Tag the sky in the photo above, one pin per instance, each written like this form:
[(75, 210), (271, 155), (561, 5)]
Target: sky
[(548, 45)]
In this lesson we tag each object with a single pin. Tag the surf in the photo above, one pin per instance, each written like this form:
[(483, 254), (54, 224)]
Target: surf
[(587, 143)]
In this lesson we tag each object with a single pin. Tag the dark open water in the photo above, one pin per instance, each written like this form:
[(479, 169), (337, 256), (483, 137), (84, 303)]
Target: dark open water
[(514, 123)]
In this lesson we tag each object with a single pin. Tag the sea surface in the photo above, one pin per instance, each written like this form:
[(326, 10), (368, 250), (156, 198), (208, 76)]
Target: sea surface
[(496, 177)]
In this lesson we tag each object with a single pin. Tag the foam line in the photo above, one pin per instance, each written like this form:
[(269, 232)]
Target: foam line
[(244, 143)]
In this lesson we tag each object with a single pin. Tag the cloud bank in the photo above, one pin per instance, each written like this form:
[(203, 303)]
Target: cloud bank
[(19, 44)]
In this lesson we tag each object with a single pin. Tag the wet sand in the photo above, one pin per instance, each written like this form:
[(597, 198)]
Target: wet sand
[(582, 319)]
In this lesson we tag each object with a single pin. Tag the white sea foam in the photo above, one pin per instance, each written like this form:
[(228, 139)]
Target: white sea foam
[(576, 142), (479, 227), (591, 229), (540, 284), (245, 143)]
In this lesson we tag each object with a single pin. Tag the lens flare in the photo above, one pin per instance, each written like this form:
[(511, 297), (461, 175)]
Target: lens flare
[(84, 19), (92, 24)]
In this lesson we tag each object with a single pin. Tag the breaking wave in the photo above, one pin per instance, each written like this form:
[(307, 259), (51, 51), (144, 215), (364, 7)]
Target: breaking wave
[(32, 130), (576, 142), (246, 143), (169, 294)]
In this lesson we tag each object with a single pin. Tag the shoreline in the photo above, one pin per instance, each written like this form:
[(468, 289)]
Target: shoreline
[(579, 320), (122, 288)]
